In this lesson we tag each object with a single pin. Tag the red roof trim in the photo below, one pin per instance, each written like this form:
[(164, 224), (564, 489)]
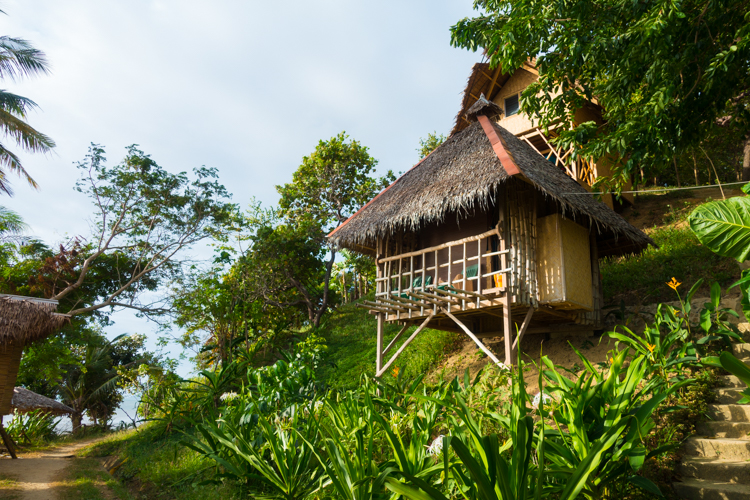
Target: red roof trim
[(497, 144)]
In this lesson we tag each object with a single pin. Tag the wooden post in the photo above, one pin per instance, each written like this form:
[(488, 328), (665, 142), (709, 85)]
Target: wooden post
[(474, 338), (379, 344), (7, 441), (507, 320), (421, 327)]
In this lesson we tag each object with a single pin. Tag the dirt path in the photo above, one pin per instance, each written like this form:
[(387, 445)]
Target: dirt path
[(36, 473)]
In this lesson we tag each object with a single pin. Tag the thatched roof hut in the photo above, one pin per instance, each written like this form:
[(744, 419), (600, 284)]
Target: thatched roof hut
[(26, 319), (463, 173), (23, 320), (25, 401)]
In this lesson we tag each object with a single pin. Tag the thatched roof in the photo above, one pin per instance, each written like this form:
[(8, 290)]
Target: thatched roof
[(464, 173), (26, 319), (25, 401)]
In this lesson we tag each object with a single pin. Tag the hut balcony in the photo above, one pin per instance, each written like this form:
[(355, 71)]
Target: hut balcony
[(462, 275)]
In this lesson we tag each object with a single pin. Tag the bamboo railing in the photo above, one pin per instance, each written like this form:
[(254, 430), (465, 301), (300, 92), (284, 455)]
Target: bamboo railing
[(401, 296)]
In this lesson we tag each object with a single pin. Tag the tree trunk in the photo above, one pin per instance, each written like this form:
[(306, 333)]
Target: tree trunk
[(746, 160), (76, 419), (676, 171)]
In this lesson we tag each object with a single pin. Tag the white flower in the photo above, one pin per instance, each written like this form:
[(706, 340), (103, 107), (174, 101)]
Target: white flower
[(538, 397), (436, 447), (229, 396)]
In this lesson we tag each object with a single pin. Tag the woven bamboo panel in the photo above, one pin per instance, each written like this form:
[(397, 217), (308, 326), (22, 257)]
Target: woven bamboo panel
[(564, 264)]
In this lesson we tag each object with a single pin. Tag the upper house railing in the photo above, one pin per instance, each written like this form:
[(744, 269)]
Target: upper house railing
[(463, 274)]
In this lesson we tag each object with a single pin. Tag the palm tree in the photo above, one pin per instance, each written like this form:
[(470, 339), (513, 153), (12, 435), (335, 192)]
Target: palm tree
[(18, 59)]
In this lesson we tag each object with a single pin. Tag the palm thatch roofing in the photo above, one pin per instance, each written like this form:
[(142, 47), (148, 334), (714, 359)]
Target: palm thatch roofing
[(25, 401), (463, 173), (26, 319)]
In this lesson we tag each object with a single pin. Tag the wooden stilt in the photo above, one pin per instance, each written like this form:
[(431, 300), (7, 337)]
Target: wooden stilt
[(7, 441), (521, 331), (473, 337), (382, 370), (395, 339), (379, 345)]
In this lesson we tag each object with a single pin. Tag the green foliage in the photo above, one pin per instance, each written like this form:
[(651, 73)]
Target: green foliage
[(428, 145), (724, 227), (143, 217), (157, 464), (34, 427), (653, 67), (19, 59), (740, 370), (679, 253), (90, 384)]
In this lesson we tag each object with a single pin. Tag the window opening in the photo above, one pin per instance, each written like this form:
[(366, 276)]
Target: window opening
[(511, 105)]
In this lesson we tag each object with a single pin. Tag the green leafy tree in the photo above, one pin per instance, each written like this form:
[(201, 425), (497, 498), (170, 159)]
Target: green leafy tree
[(90, 384), (327, 188), (428, 145), (144, 217), (19, 59), (663, 72)]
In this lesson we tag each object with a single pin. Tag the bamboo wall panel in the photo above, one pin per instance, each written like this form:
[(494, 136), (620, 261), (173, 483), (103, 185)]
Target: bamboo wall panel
[(564, 265), (521, 227)]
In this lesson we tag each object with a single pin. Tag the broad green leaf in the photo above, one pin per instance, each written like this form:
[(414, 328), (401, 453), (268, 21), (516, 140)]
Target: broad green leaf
[(646, 484), (735, 367), (724, 227)]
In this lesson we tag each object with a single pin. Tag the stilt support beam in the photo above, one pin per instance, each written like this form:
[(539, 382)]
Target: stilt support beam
[(380, 371), (521, 332), (395, 339), (474, 338)]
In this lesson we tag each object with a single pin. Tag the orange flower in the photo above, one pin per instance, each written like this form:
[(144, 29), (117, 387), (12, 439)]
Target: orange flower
[(651, 347), (395, 371), (673, 284)]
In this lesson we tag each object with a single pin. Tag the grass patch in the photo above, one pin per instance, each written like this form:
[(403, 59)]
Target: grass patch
[(151, 464), (350, 334), (87, 480), (9, 489), (641, 279)]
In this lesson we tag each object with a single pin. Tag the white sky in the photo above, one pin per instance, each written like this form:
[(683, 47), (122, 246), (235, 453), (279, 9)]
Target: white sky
[(248, 87)]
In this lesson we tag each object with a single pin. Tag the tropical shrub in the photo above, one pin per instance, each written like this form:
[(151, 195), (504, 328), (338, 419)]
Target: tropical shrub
[(33, 427)]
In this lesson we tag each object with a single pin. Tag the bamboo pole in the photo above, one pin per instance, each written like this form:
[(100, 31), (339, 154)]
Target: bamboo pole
[(381, 371), (475, 339), (440, 247), (395, 339), (517, 343), (379, 344)]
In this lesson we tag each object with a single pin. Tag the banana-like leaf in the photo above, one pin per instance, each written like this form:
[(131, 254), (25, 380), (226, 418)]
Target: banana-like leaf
[(724, 227), (735, 367)]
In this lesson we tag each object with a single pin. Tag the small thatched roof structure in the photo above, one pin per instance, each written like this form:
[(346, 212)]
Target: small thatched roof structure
[(26, 319), (463, 173), (25, 401)]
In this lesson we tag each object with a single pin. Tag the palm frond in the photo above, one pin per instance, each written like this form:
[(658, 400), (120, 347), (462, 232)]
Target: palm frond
[(11, 223), (16, 104), (18, 59), (24, 134), (9, 160)]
